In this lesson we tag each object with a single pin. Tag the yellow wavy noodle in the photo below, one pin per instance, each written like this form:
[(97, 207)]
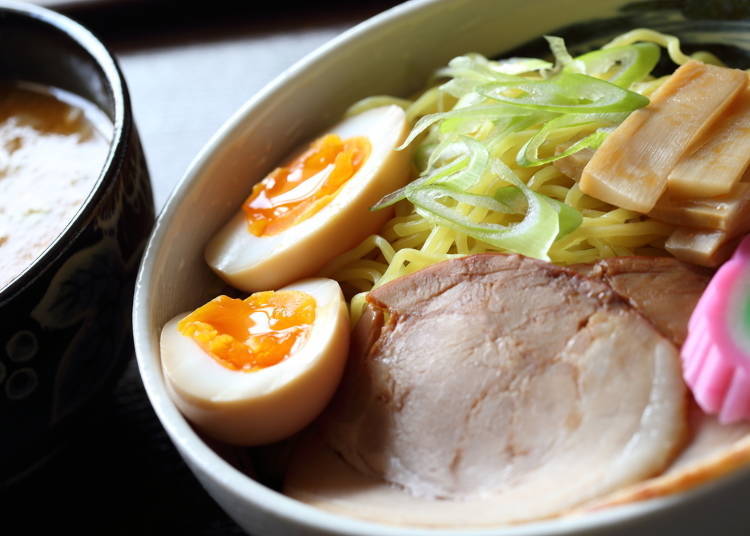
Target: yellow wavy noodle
[(670, 42), (410, 242)]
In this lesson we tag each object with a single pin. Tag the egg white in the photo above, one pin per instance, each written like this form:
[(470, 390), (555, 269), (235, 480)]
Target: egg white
[(252, 408), (251, 263)]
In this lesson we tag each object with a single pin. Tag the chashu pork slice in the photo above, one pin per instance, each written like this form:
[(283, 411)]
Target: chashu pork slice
[(664, 289), (713, 451), (489, 390)]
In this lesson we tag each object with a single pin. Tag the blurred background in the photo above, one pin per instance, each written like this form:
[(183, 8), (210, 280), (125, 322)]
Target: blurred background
[(189, 66)]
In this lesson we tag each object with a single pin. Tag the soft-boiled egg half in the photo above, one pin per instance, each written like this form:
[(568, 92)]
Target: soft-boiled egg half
[(316, 205), (257, 370)]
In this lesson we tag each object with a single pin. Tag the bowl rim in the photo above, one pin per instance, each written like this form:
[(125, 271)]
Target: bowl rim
[(203, 460), (107, 64)]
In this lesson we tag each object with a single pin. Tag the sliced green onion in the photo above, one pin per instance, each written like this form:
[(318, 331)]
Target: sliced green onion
[(593, 140), (563, 59), (460, 174), (477, 200), (528, 155), (490, 112), (532, 236), (570, 218), (474, 67), (461, 87), (566, 93), (421, 155), (400, 194), (469, 71), (514, 199), (507, 175), (522, 65), (467, 177), (632, 63), (448, 150)]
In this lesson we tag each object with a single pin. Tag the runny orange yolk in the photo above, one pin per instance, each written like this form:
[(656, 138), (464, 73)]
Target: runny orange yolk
[(254, 333), (298, 190)]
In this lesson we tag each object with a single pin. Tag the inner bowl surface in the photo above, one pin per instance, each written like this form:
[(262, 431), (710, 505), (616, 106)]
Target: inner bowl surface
[(393, 53)]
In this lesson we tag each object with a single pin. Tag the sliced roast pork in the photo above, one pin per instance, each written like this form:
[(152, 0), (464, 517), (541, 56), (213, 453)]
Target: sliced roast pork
[(663, 289), (493, 389), (713, 451)]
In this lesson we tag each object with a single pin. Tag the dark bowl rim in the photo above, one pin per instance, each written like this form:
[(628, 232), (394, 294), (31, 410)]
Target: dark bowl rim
[(107, 64)]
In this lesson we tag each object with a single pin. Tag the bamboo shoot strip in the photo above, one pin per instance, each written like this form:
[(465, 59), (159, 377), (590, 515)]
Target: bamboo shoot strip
[(630, 168), (720, 157), (700, 246), (726, 212), (574, 164)]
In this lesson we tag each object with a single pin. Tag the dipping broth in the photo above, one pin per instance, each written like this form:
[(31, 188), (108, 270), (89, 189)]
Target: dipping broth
[(53, 146)]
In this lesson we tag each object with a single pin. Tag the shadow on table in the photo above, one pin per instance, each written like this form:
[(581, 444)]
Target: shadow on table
[(122, 476)]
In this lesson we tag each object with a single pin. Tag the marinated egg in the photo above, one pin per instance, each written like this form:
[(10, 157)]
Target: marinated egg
[(258, 370), (315, 206)]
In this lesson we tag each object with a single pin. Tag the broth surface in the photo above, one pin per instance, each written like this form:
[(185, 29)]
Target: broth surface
[(53, 146)]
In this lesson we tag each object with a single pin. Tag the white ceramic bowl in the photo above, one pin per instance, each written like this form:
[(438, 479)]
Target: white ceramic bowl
[(392, 53)]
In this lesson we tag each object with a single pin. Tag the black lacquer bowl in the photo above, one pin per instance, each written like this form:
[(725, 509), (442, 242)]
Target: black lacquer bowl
[(65, 328)]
